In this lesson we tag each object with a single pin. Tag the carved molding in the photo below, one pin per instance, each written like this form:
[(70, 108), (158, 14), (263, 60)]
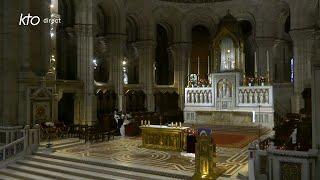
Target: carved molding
[(194, 1)]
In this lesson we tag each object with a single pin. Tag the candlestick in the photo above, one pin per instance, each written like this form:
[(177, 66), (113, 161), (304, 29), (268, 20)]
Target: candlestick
[(148, 123), (141, 122), (238, 62), (255, 63), (171, 124), (188, 67), (208, 66), (188, 83), (243, 63), (198, 65), (268, 65)]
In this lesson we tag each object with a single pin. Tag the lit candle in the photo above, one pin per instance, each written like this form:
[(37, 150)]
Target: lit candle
[(255, 63), (208, 65)]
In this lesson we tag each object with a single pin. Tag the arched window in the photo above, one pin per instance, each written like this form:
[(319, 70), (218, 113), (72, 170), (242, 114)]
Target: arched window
[(131, 60), (227, 54), (101, 60), (164, 64)]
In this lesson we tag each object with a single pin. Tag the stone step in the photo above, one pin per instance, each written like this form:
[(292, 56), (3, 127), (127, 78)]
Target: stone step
[(42, 172), (11, 174), (67, 145), (88, 174), (120, 166), (4, 177), (59, 142), (95, 168)]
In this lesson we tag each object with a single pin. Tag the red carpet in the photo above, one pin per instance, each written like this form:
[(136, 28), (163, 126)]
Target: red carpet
[(233, 140)]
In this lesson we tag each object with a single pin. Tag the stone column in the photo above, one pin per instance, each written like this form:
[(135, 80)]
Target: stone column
[(9, 62), (281, 60), (117, 45), (146, 50), (85, 71), (315, 92), (25, 58), (182, 52), (302, 45)]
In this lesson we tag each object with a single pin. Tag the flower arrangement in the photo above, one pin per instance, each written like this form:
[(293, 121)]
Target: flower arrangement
[(250, 80), (203, 82), (261, 80), (49, 124), (190, 131)]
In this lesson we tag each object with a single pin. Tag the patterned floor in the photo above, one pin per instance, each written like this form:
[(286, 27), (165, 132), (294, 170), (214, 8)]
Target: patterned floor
[(127, 150), (232, 151)]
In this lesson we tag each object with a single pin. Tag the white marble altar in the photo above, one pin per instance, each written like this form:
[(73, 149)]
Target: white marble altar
[(227, 95)]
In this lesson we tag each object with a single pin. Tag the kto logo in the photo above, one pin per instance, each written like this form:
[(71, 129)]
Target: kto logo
[(26, 20)]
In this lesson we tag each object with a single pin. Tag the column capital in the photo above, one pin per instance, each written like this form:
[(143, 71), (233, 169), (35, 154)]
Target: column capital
[(83, 30), (116, 36), (101, 44), (145, 44), (184, 45), (265, 41), (302, 34)]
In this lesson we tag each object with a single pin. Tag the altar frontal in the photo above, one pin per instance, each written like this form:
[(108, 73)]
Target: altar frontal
[(163, 137)]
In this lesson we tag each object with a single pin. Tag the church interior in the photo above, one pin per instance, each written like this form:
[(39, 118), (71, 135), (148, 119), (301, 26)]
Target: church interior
[(160, 89)]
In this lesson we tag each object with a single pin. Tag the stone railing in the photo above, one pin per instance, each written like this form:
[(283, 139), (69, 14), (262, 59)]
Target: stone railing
[(26, 141), (252, 96), (9, 134), (199, 96), (281, 164)]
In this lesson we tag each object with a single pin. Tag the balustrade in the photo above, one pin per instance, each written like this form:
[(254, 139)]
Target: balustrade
[(255, 96), (199, 96), (27, 142)]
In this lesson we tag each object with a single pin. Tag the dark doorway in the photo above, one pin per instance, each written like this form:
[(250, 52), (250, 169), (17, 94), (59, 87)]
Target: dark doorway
[(66, 108)]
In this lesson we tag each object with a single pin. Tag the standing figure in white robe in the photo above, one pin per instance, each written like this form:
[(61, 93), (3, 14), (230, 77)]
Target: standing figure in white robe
[(122, 128), (294, 136), (116, 117)]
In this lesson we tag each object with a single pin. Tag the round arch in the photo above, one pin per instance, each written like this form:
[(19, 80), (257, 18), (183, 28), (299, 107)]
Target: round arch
[(198, 16)]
